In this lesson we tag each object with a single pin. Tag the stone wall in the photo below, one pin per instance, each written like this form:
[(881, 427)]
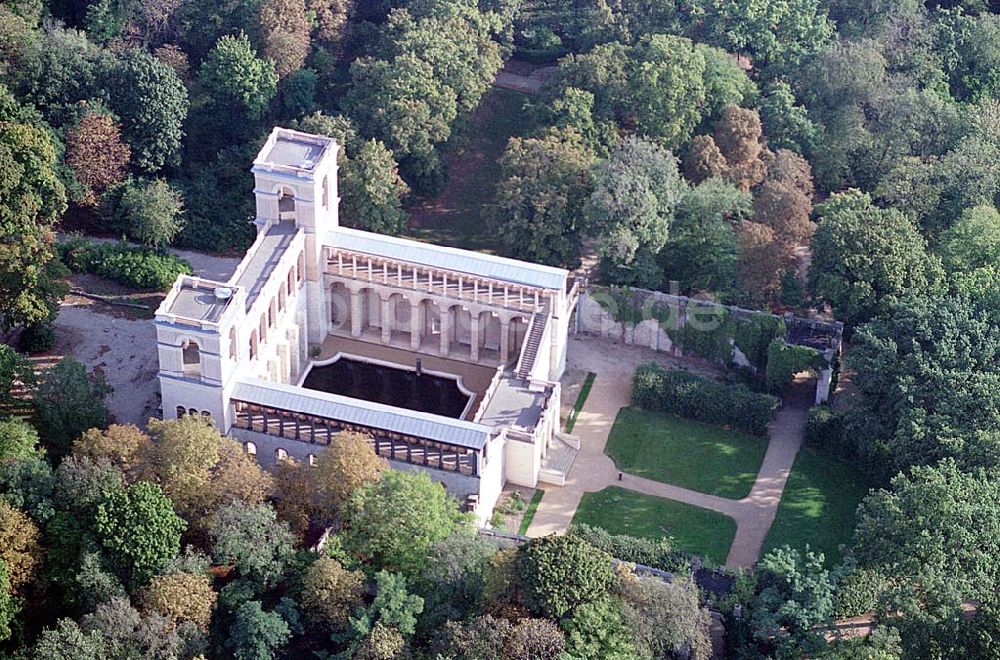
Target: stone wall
[(637, 317)]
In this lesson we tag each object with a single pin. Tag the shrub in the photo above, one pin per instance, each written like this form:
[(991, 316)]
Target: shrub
[(825, 428), (38, 337), (859, 592), (687, 395), (142, 268), (655, 554)]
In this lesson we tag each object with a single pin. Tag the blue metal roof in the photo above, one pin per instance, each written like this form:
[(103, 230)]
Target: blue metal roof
[(447, 258), (363, 413)]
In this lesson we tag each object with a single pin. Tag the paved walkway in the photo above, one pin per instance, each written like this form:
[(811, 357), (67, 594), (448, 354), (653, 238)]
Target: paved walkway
[(593, 471)]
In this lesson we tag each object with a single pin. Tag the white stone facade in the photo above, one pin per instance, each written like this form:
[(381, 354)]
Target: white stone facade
[(307, 286)]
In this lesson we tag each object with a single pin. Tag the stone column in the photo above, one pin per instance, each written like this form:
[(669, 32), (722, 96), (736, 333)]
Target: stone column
[(283, 366), (356, 314), (504, 340), (415, 325), (387, 320), (474, 336), (445, 332)]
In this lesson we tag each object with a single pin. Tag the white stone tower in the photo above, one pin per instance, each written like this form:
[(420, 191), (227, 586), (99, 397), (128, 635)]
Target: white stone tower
[(295, 180)]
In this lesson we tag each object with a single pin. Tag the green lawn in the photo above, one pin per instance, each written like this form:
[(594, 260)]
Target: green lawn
[(455, 217), (696, 530), (818, 505), (529, 513), (581, 399), (701, 457)]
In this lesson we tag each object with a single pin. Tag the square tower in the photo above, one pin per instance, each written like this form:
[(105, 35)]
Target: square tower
[(295, 179)]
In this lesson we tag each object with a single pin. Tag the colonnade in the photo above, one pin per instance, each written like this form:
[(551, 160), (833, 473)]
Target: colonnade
[(365, 310)]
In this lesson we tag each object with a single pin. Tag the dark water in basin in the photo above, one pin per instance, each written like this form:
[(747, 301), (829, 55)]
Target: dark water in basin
[(395, 387)]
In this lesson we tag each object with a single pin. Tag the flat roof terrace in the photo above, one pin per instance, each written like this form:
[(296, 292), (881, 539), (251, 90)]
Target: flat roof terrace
[(513, 404), (290, 150), (194, 299)]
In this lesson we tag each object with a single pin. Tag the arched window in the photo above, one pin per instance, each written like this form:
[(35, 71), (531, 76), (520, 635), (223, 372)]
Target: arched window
[(207, 415), (263, 327), (250, 448), (299, 265), (281, 299), (233, 344), (271, 314), (289, 280), (253, 344), (286, 204), (326, 192), (181, 411), (281, 454), (191, 358), (192, 411)]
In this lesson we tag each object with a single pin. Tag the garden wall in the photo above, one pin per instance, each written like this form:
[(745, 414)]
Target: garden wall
[(654, 320)]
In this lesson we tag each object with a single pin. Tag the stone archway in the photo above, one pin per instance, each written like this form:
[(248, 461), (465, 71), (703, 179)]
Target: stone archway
[(396, 325), (340, 308)]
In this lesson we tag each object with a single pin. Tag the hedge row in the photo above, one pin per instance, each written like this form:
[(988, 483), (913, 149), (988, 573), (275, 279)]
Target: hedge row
[(684, 394), (655, 554), (142, 268)]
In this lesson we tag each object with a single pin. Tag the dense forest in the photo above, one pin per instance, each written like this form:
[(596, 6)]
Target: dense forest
[(835, 157)]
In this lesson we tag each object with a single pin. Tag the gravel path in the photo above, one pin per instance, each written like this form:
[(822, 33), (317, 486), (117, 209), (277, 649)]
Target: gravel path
[(593, 470), (124, 349)]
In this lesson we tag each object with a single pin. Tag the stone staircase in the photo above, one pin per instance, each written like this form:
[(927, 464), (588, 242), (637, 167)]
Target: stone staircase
[(558, 461), (535, 332)]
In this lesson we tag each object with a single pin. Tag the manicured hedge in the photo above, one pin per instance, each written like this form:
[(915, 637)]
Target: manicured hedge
[(687, 395), (655, 554), (142, 268)]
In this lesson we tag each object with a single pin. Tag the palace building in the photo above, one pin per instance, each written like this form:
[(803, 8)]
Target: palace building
[(449, 360)]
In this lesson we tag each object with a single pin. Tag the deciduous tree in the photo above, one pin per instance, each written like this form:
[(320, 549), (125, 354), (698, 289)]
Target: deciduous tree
[(256, 634), (636, 193), (937, 532), (123, 445), (865, 258), (251, 538), (18, 440), (96, 153), (31, 200), (393, 523), (139, 531), (181, 597), (9, 604), (151, 212), (330, 592), (68, 402), (794, 597), (762, 263), (19, 546), (702, 251), (152, 103), (539, 200), (560, 573), (770, 32), (373, 190), (237, 80), (285, 31)]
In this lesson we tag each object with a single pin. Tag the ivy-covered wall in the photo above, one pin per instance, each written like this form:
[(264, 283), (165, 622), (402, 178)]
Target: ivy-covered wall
[(727, 335)]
